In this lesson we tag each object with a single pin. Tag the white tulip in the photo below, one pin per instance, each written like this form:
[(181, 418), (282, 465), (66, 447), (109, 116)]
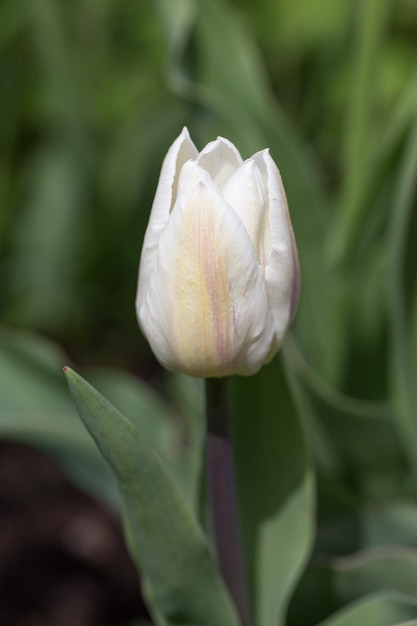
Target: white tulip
[(219, 278)]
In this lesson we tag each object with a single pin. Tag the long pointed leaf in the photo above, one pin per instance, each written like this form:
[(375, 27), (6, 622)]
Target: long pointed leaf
[(167, 544)]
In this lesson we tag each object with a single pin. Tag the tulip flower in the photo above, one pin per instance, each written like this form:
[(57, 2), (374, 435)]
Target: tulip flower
[(219, 277)]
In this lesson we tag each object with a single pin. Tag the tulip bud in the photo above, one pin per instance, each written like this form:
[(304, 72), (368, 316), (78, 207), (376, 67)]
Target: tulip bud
[(219, 276)]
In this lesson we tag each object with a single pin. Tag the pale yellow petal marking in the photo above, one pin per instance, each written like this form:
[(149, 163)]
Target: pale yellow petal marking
[(203, 314)]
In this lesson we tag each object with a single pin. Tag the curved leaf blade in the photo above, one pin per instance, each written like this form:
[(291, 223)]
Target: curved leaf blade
[(382, 609), (275, 487), (166, 542)]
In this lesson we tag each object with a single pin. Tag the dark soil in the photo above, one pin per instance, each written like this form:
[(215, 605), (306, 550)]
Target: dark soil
[(63, 561)]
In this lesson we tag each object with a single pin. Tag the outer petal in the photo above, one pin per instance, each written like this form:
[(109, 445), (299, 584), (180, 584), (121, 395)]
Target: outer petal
[(282, 274), (181, 151), (247, 195), (190, 176), (207, 311), (220, 158)]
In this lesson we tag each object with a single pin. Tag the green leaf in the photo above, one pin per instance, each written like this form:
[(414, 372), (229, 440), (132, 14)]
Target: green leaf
[(155, 420), (382, 609), (370, 29), (44, 416), (387, 567), (403, 359), (46, 238), (342, 580), (166, 542), (35, 409), (393, 523), (13, 18), (276, 489), (343, 429)]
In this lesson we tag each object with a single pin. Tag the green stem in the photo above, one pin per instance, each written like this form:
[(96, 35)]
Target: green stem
[(222, 496)]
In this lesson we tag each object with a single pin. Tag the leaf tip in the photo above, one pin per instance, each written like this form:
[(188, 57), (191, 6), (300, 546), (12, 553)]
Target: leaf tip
[(68, 371)]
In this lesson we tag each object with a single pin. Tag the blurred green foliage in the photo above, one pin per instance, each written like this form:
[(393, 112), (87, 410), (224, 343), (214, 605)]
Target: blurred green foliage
[(92, 94)]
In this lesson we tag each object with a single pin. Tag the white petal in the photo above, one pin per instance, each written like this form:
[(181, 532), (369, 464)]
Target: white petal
[(220, 158), (246, 193), (280, 252), (181, 151), (207, 311), (190, 176)]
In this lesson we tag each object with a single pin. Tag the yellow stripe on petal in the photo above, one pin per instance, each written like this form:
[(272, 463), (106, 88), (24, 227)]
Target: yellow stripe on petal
[(201, 318)]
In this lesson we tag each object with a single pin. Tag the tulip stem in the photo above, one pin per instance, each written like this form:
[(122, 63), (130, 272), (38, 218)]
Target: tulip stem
[(222, 496)]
